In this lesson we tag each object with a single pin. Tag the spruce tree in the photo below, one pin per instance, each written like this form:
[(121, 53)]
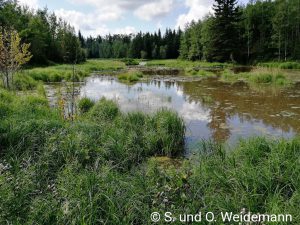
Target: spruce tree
[(224, 33)]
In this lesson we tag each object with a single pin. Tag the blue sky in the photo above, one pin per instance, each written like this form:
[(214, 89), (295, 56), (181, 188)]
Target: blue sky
[(100, 17)]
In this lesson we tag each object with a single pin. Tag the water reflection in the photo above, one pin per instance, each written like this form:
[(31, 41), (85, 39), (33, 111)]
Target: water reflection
[(211, 109)]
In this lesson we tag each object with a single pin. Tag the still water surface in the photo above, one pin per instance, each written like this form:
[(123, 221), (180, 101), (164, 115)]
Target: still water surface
[(211, 109)]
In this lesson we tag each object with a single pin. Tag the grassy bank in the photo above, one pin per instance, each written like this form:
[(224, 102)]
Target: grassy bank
[(281, 65), (183, 64), (64, 72), (101, 168), (259, 76)]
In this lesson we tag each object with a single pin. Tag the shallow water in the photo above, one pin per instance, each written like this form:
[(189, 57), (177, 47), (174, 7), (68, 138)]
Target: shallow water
[(211, 109)]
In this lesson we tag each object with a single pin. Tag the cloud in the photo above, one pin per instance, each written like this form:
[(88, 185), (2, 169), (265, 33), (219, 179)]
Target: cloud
[(154, 10), (125, 30), (124, 4), (197, 10), (30, 3), (93, 24), (143, 9)]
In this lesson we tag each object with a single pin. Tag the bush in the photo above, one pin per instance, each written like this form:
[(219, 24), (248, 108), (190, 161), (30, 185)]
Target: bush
[(85, 104)]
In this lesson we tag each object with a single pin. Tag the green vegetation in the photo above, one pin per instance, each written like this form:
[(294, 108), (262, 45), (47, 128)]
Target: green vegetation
[(130, 76), (200, 73), (140, 46), (85, 104), (186, 64), (100, 168), (257, 31), (58, 73), (130, 62), (24, 82), (41, 152), (281, 65), (105, 166), (258, 76), (51, 39)]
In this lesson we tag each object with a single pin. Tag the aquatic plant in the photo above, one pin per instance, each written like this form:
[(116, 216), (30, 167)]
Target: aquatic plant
[(258, 76), (130, 77)]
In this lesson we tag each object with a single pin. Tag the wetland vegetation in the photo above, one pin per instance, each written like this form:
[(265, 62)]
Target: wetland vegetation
[(200, 120)]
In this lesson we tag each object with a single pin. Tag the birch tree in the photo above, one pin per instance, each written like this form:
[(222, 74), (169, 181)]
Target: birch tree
[(13, 54)]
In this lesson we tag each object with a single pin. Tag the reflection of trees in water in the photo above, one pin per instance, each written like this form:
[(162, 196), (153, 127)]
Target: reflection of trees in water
[(238, 100), (218, 124), (167, 84)]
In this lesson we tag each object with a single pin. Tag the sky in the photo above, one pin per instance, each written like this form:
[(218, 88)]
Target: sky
[(101, 17)]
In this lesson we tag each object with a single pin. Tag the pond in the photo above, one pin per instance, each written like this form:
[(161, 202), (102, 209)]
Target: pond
[(211, 109)]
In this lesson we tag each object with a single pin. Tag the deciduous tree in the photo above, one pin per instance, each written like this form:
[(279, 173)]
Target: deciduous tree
[(13, 54)]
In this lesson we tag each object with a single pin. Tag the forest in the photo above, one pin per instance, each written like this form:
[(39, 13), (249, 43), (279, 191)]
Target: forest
[(255, 32), (51, 39)]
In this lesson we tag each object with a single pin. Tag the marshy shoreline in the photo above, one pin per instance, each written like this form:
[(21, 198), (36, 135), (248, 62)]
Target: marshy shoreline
[(108, 166)]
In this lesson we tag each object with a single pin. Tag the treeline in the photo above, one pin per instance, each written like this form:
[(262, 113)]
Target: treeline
[(141, 45), (261, 30), (51, 39)]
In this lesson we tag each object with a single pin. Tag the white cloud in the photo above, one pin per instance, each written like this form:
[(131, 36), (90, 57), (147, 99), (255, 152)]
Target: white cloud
[(192, 111), (125, 30), (33, 4), (197, 10), (92, 23), (144, 9), (153, 10), (124, 4)]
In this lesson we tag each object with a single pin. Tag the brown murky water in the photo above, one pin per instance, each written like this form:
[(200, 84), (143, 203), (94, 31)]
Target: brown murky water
[(210, 108)]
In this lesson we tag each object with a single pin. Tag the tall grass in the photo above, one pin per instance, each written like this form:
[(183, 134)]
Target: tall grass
[(258, 76), (281, 65), (130, 76), (184, 64), (62, 72), (102, 169)]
